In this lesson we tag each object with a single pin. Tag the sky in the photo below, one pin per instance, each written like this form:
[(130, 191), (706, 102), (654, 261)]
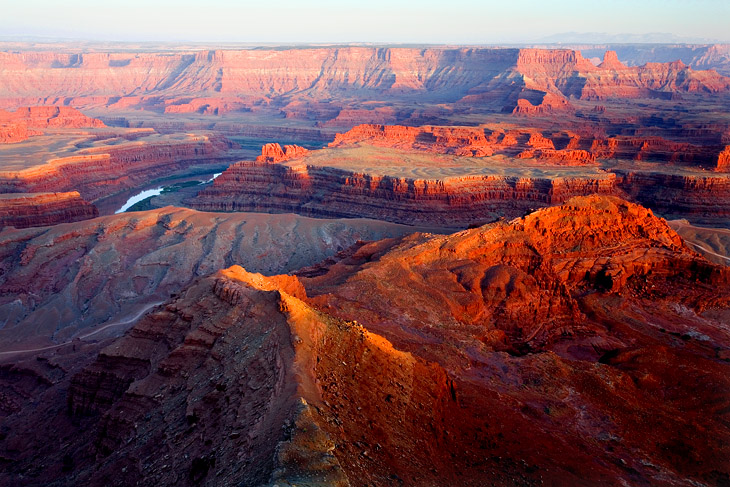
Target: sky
[(377, 21)]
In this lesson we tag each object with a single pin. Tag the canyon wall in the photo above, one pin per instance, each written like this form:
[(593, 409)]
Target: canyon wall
[(283, 180), (22, 210), (562, 147), (698, 197), (213, 82), (329, 192), (50, 117), (100, 172), (452, 202)]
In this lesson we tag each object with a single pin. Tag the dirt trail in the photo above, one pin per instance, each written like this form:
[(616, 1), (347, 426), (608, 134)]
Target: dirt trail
[(87, 335)]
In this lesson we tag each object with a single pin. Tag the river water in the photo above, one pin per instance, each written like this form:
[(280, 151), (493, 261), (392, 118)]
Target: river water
[(139, 197), (147, 193)]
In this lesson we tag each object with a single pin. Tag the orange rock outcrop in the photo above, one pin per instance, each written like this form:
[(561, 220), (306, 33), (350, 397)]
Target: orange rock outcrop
[(273, 153), (578, 344), (562, 147), (50, 117), (723, 159), (11, 133), (16, 126), (465, 141)]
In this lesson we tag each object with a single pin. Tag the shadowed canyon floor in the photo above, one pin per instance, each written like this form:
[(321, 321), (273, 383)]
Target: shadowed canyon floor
[(549, 350), (56, 282)]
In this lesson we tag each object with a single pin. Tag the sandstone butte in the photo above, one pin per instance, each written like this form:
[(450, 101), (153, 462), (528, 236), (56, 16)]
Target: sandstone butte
[(579, 344), (318, 183), (14, 126), (554, 146), (215, 82)]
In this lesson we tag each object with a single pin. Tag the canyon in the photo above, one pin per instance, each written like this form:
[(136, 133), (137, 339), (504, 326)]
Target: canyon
[(339, 87), (459, 386), (364, 265), (22, 210), (58, 282), (459, 176)]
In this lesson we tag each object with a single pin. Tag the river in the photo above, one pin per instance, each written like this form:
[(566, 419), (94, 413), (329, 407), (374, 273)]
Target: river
[(148, 193)]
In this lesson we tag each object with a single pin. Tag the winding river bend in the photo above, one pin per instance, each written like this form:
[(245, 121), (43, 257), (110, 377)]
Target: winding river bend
[(149, 193)]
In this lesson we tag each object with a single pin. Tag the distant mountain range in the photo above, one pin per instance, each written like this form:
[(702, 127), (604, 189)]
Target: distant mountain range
[(604, 38)]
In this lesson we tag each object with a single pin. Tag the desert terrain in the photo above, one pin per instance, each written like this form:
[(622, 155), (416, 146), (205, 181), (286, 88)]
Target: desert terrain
[(364, 265)]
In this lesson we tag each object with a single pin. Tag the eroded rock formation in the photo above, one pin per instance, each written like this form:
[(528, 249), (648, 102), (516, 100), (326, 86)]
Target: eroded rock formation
[(22, 210), (566, 147), (51, 117), (528, 81), (14, 126), (273, 152), (319, 184), (329, 192), (102, 171), (56, 283), (581, 343), (11, 133)]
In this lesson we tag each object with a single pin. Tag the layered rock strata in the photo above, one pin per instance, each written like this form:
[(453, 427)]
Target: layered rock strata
[(15, 126), (329, 192), (22, 210), (11, 133), (579, 344), (555, 147), (51, 117), (102, 171), (58, 282), (219, 81), (282, 181)]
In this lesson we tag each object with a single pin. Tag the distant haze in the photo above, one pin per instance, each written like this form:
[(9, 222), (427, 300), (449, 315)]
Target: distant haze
[(378, 21)]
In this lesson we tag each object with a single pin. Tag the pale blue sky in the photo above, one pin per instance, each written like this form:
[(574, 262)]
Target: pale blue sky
[(395, 21)]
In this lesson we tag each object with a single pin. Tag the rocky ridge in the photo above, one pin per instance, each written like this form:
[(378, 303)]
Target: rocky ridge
[(99, 172), (555, 147), (51, 117), (17, 126), (552, 348), (214, 82), (71, 279)]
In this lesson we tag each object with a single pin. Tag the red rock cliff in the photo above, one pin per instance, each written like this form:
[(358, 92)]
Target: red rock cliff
[(100, 172), (51, 116), (219, 81), (328, 192), (21, 210)]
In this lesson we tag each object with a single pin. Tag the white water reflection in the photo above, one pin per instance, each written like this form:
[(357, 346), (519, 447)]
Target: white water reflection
[(153, 192), (139, 197)]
